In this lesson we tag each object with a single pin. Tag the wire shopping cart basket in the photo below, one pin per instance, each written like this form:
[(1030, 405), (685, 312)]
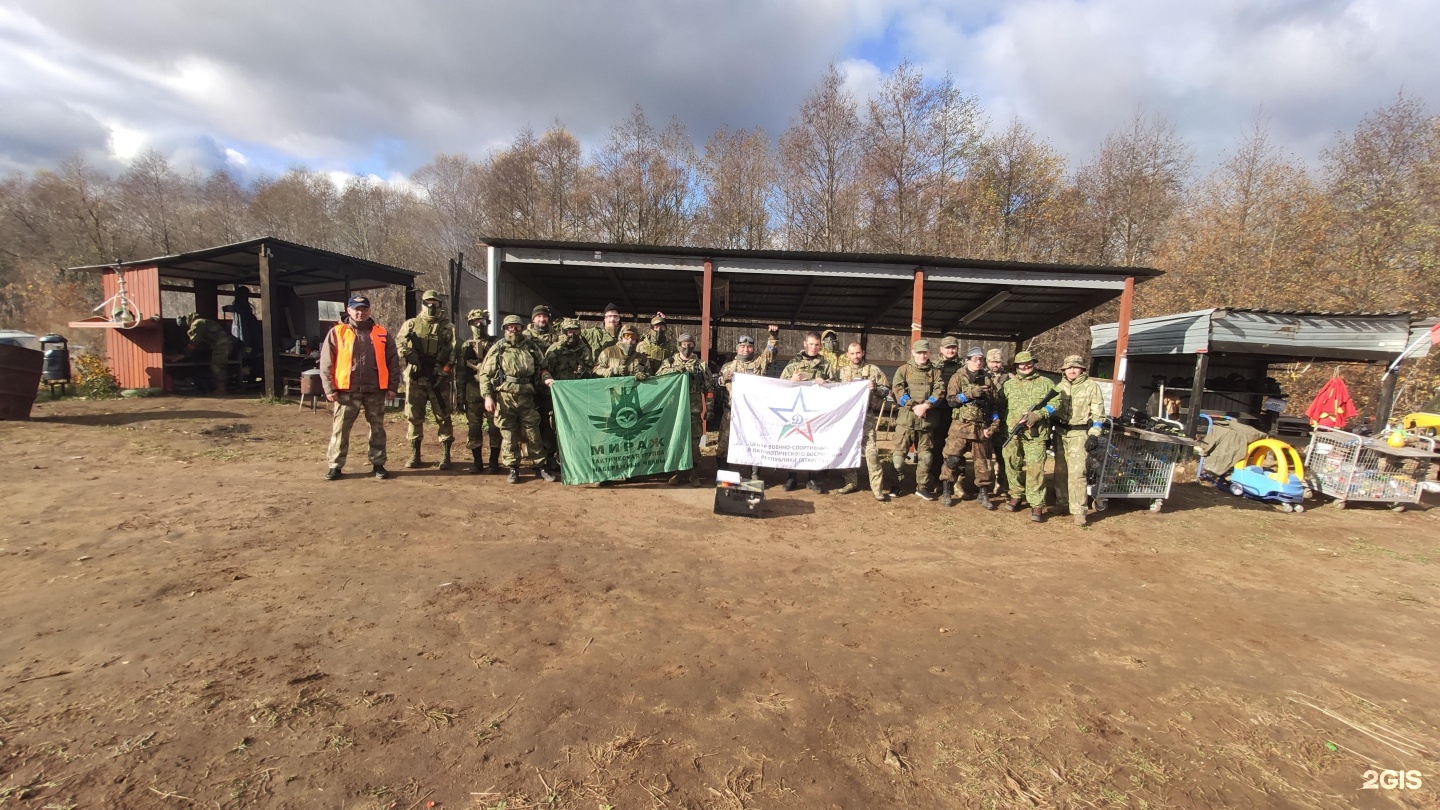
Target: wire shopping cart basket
[(1135, 463), (1350, 467)]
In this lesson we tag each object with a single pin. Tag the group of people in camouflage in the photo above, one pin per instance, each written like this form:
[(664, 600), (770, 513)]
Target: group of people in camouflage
[(963, 407)]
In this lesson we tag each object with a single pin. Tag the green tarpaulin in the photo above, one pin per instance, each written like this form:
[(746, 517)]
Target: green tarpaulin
[(614, 428)]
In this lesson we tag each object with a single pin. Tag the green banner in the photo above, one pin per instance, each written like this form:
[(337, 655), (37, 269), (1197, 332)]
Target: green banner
[(615, 428)]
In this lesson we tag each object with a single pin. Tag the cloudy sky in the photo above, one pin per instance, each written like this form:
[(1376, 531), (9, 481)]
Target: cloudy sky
[(378, 87)]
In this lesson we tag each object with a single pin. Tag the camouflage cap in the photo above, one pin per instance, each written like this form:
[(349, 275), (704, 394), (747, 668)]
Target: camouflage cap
[(744, 339), (1073, 361), (569, 323), (975, 351), (513, 320), (995, 356), (540, 309), (430, 295), (657, 320), (949, 341), (477, 315), (629, 329), (1024, 357), (686, 336), (920, 346)]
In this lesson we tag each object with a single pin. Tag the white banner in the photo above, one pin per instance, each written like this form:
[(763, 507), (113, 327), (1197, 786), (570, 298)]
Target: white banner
[(790, 425)]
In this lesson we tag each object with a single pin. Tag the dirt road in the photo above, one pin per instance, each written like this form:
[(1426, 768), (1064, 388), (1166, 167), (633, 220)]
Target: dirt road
[(193, 618)]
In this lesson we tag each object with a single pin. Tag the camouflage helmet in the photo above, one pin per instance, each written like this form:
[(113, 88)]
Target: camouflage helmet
[(430, 295), (477, 315), (744, 340), (629, 329), (1073, 361), (686, 338), (657, 320), (1024, 357), (513, 320), (569, 323)]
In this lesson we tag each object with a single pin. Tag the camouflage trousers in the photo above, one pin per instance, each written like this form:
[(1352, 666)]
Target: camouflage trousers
[(481, 424), (1070, 471), (870, 450), (347, 407), (1025, 468), (919, 432), (421, 393), (968, 437), (519, 420), (997, 461)]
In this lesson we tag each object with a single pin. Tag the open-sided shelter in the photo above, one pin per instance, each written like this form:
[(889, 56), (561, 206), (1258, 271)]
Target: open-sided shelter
[(291, 279), (1204, 347), (863, 292)]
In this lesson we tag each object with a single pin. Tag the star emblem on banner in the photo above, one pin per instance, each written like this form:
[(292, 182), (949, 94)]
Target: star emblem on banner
[(794, 419)]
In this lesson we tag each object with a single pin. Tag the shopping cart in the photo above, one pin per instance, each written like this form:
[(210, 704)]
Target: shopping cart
[(1135, 463), (1350, 467)]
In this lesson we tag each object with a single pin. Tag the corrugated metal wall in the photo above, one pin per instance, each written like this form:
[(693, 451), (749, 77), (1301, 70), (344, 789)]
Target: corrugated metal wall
[(1185, 333), (1305, 334), (136, 355)]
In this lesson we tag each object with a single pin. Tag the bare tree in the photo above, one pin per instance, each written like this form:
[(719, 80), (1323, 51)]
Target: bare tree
[(1132, 189), (646, 182), (1013, 197), (738, 181), (820, 168), (898, 160), (561, 174)]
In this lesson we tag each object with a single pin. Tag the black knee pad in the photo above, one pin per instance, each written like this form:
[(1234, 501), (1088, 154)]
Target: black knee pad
[(954, 462)]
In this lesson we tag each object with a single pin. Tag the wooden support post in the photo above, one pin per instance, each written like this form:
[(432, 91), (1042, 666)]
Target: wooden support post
[(1197, 392), (917, 306), (1122, 348), (267, 323)]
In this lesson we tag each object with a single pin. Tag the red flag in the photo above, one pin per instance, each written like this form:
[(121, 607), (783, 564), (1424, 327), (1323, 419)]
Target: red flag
[(1332, 406)]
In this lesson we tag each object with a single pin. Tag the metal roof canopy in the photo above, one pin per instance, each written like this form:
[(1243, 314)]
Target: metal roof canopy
[(310, 271), (1267, 335), (1275, 335), (866, 292)]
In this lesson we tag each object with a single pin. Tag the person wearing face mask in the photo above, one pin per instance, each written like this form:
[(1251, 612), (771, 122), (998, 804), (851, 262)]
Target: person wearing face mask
[(623, 359), (1079, 417), (810, 365), (482, 424), (569, 358), (831, 351), (540, 334), (358, 365), (916, 387), (687, 361), (509, 377), (428, 341), (975, 417), (602, 337), (657, 345)]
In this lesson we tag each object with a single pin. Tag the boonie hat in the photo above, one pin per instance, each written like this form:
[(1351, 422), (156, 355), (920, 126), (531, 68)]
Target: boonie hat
[(569, 323), (1024, 357), (477, 315)]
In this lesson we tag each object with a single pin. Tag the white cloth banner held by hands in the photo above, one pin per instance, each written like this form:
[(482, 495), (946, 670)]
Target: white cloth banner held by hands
[(790, 425)]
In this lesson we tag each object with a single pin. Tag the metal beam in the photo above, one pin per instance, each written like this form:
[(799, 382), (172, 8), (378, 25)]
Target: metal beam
[(804, 297), (975, 314), (897, 294), (267, 322), (1081, 307)]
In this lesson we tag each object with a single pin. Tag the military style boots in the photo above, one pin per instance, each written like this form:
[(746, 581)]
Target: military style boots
[(444, 456), (479, 464), (494, 466), (514, 477), (414, 460), (947, 493)]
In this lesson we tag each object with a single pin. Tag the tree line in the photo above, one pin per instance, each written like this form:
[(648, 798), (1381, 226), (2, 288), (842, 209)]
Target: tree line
[(919, 168)]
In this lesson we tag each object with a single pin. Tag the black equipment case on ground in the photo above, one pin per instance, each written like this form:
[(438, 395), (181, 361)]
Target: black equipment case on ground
[(743, 499)]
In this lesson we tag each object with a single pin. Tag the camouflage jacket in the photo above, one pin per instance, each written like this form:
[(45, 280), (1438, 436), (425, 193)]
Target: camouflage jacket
[(543, 340), (755, 364), (808, 368), (657, 350), (1080, 404), (512, 368), (701, 381), (975, 403), (913, 385), (570, 362), (871, 373), (598, 338), (472, 354), (1020, 394), (424, 341), (208, 332), (613, 362)]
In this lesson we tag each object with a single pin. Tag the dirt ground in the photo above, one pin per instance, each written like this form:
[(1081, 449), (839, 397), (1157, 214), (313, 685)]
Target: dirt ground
[(192, 617)]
